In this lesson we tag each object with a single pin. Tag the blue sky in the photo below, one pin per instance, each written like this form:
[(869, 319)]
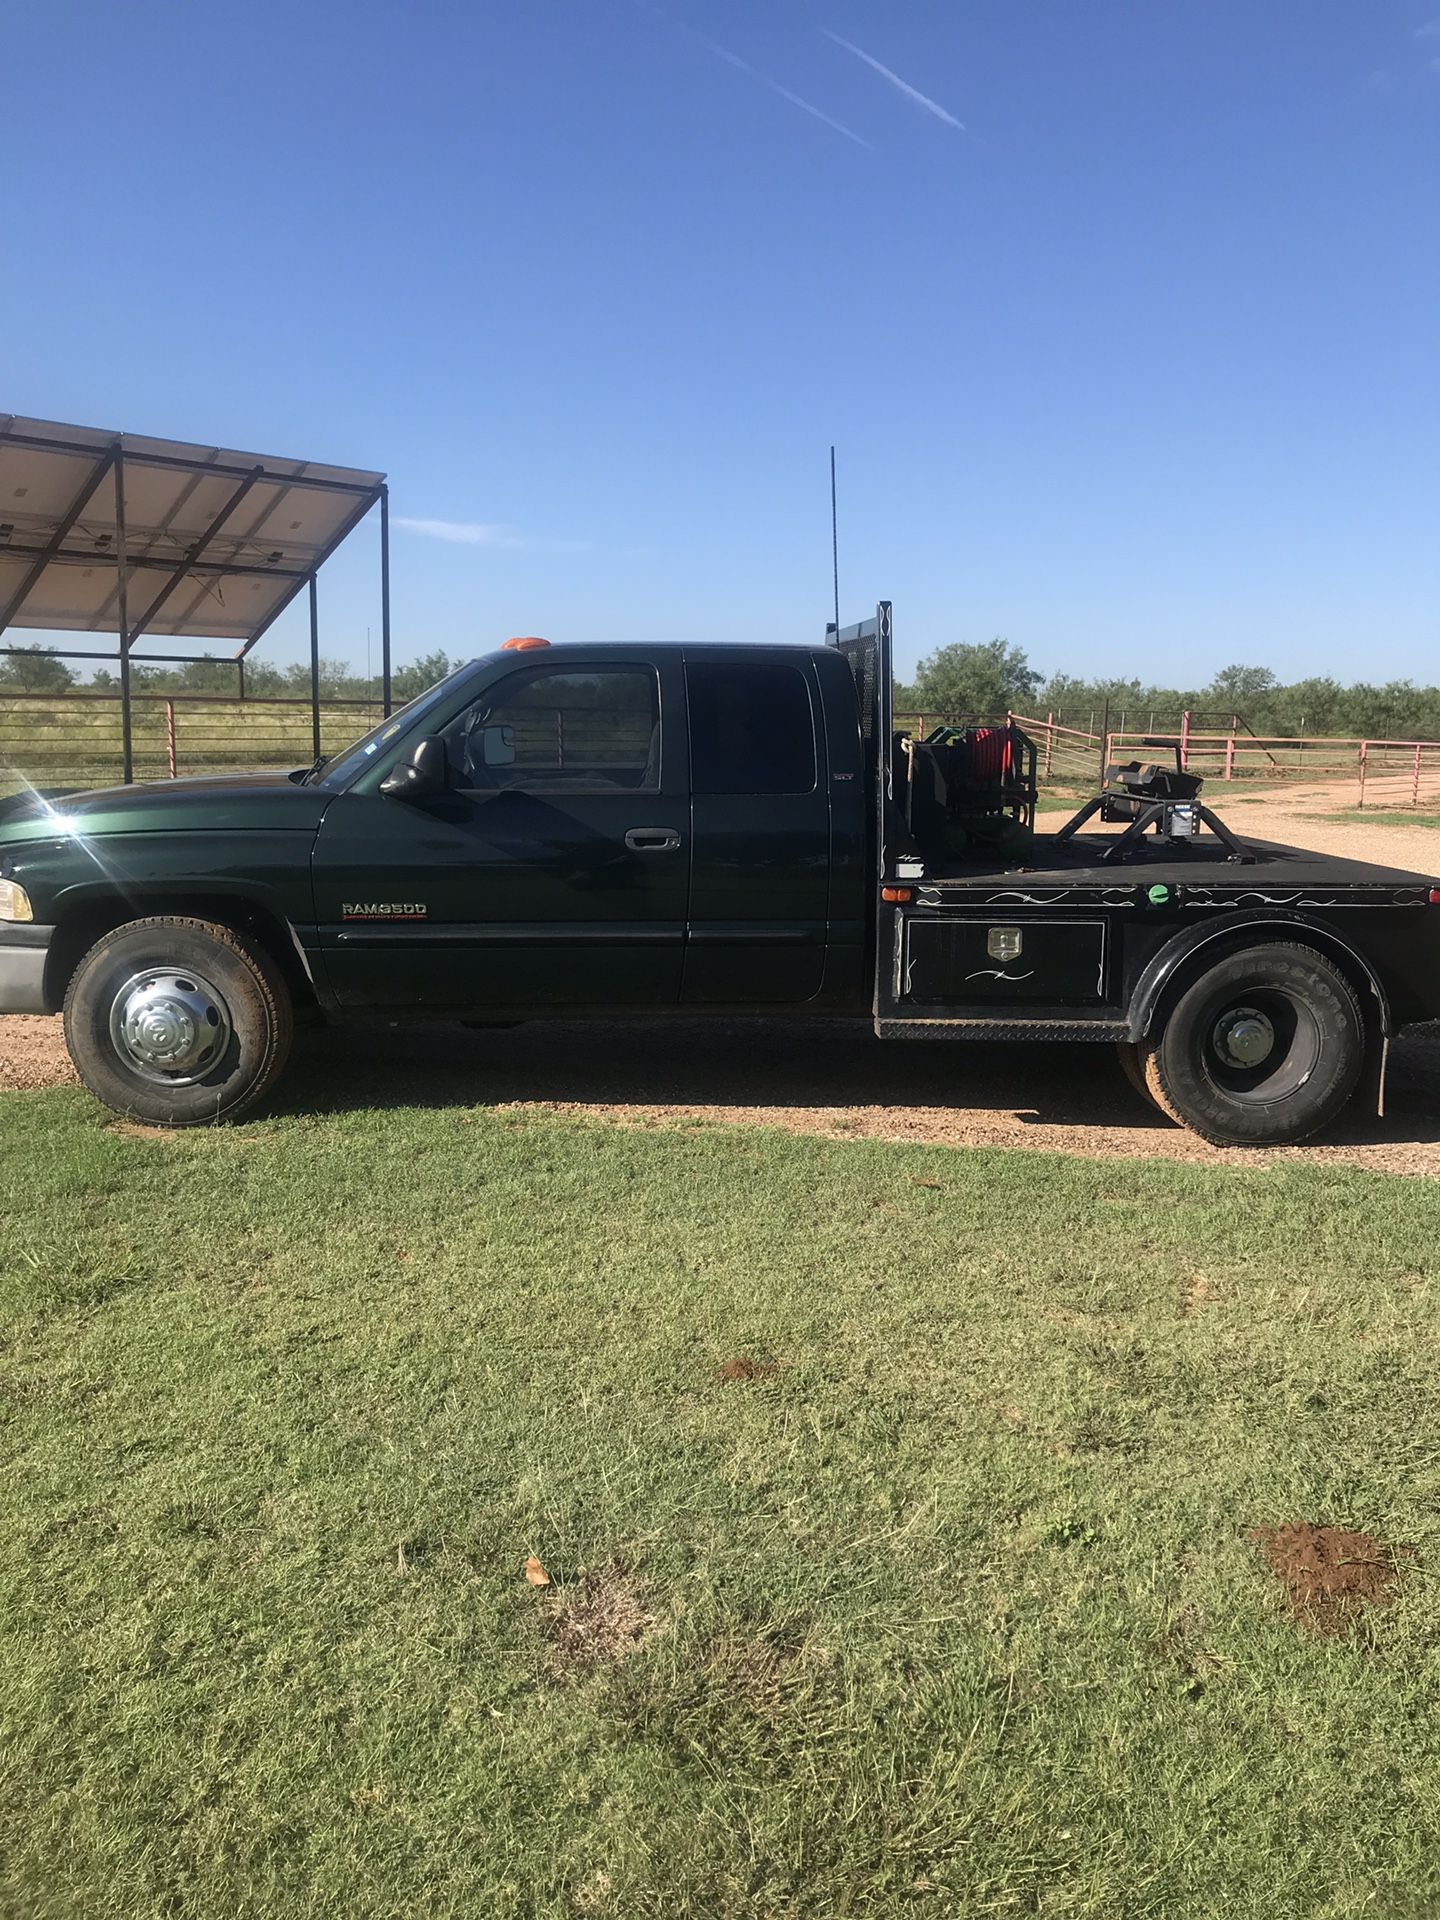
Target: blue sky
[(1124, 317)]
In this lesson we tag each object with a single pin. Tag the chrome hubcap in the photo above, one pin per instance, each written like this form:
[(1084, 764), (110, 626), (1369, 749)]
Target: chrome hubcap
[(169, 1026), (1244, 1037)]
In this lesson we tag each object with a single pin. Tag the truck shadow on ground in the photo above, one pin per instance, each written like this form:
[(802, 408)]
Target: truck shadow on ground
[(828, 1076)]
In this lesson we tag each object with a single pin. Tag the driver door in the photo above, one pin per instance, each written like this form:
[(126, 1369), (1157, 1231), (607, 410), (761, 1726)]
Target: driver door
[(552, 872)]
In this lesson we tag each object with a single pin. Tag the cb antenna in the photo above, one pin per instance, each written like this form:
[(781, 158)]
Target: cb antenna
[(834, 543)]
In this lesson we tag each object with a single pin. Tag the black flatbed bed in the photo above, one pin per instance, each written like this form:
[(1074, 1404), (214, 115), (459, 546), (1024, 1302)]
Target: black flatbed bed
[(1253, 986), (1272, 865)]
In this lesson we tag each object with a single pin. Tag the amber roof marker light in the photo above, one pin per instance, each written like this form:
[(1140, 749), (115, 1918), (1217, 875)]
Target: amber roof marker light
[(524, 643)]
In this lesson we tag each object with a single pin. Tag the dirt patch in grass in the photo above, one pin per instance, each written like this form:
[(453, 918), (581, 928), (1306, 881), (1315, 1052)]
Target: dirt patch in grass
[(1330, 1574), (597, 1622), (743, 1367), (595, 1895), (1196, 1293), (757, 1671)]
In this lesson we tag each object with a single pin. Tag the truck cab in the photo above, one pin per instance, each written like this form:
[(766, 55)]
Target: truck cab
[(595, 827)]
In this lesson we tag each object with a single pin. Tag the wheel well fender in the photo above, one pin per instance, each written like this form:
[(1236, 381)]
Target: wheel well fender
[(89, 920), (1182, 961)]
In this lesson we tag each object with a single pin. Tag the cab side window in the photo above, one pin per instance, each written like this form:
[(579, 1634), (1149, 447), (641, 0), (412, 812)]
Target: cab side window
[(752, 727), (549, 730)]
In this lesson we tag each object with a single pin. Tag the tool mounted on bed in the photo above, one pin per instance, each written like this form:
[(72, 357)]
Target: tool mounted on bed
[(1148, 795), (968, 788)]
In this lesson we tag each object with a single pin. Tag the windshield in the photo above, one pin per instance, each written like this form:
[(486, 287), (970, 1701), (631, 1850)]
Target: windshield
[(345, 766)]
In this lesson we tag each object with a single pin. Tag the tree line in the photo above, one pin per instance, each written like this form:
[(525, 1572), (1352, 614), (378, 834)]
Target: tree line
[(993, 678), (34, 671), (984, 680)]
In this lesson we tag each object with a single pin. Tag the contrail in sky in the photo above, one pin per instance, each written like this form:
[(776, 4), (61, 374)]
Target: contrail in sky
[(805, 106), (754, 73), (911, 93)]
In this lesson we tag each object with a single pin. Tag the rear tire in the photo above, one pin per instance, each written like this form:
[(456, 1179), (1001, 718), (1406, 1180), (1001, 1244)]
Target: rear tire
[(1138, 1065), (1263, 1050), (1129, 1058), (177, 1021), (1154, 1089)]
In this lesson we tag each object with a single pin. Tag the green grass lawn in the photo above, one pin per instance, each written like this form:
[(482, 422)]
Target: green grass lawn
[(948, 1607), (1060, 802), (1397, 817)]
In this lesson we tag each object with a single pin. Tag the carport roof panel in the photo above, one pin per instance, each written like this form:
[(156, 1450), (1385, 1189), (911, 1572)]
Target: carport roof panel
[(237, 533)]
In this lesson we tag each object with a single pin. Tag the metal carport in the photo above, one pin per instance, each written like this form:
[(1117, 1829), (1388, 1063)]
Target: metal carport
[(116, 533)]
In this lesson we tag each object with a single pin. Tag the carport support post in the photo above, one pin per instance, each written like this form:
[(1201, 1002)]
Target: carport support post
[(122, 620), (314, 667), (385, 599)]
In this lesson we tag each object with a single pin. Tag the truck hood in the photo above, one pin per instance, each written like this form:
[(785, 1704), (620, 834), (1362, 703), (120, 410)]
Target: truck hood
[(208, 802)]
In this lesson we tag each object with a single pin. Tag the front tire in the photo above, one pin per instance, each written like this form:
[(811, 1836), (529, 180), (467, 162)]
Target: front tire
[(1263, 1050), (177, 1021)]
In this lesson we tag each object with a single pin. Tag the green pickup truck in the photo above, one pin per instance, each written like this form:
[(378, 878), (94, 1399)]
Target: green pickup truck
[(671, 830)]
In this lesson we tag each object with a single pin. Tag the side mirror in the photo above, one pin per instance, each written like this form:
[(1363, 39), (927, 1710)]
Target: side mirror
[(423, 775), (497, 746)]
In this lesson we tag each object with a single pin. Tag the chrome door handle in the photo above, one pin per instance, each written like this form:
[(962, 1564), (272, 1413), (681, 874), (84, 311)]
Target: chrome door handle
[(652, 839)]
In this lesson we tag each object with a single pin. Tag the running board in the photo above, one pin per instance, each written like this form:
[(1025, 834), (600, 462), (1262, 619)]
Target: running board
[(1040, 1025)]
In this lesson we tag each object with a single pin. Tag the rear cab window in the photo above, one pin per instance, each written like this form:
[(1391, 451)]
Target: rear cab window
[(752, 727)]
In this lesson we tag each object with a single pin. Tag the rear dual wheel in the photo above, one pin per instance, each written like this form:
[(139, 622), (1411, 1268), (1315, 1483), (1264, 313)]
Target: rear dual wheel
[(1265, 1049), (178, 1021)]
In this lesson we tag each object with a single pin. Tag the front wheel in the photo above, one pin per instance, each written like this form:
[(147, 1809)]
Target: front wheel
[(1263, 1050), (177, 1021)]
